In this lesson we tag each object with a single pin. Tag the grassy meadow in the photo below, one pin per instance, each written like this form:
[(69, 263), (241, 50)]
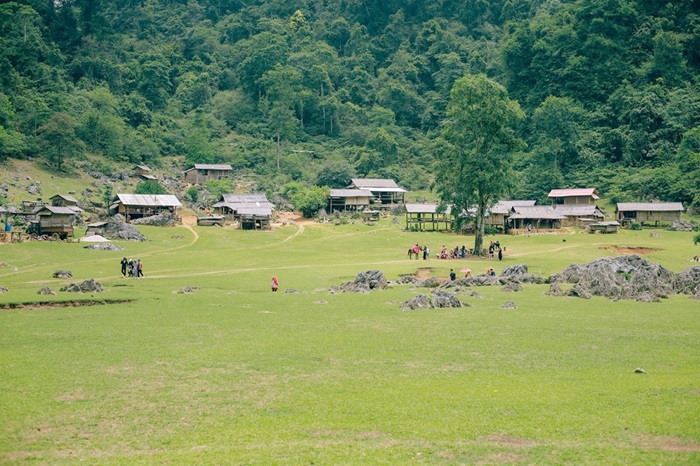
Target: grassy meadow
[(234, 374)]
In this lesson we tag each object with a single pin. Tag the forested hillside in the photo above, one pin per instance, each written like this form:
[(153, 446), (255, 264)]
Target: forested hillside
[(315, 91)]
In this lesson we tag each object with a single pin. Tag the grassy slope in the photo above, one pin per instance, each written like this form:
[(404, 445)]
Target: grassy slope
[(234, 373)]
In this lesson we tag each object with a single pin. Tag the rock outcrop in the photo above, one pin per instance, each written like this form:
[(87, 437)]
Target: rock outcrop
[(622, 277), (88, 286), (63, 274), (165, 219), (688, 281), (439, 299), (363, 283), (46, 291), (117, 228)]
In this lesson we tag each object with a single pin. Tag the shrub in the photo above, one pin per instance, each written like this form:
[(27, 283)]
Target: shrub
[(636, 226), (696, 239)]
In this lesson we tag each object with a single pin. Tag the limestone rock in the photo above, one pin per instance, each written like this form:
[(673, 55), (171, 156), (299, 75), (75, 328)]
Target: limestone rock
[(63, 274), (117, 228), (88, 286), (509, 305), (515, 270), (365, 282), (688, 281), (188, 289), (420, 301), (430, 282), (512, 287), (104, 247), (165, 219), (46, 291), (406, 279), (291, 291), (555, 290), (3, 290), (441, 299)]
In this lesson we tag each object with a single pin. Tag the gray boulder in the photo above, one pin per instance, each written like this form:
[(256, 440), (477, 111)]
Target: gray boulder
[(420, 301), (406, 280), (430, 282), (580, 291), (46, 291), (188, 289), (687, 281), (509, 305), (63, 274), (373, 279), (555, 290), (88, 286), (515, 270), (3, 290), (165, 219), (441, 299), (117, 228), (291, 291), (104, 247), (682, 225), (622, 277), (512, 287)]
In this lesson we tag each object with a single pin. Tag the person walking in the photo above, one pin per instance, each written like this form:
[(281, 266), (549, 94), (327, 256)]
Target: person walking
[(500, 254), (139, 268), (275, 284), (124, 263), (134, 268)]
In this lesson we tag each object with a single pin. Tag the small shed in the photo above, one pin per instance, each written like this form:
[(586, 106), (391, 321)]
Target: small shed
[(648, 212), (349, 199), (133, 206), (604, 227), (419, 216), (573, 196), (385, 191), (95, 228), (202, 172), (64, 200)]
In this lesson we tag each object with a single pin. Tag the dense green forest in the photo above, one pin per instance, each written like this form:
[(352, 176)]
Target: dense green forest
[(316, 91)]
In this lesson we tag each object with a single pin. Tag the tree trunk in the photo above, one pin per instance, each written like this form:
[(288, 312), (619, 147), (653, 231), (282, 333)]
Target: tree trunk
[(480, 225)]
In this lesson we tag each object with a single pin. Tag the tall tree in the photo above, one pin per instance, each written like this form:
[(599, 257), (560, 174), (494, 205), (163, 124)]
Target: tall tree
[(474, 150), (58, 140)]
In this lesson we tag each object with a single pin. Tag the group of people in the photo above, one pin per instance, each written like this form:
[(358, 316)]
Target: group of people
[(132, 268), (496, 246), (456, 252)]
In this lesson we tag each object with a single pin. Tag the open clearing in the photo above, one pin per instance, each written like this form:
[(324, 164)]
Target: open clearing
[(232, 373)]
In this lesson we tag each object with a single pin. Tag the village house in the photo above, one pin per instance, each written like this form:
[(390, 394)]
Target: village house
[(573, 196), (580, 214), (499, 213), (419, 216), (64, 200), (349, 199), (252, 211), (385, 191), (133, 206), (537, 217), (648, 212), (201, 173)]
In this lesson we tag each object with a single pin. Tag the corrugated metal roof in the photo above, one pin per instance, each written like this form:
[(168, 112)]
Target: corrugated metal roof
[(376, 184), (504, 207), (650, 206), (351, 193), (579, 210), (149, 200), (56, 210), (425, 209), (254, 210), (143, 167), (554, 193), (213, 166), (244, 198), (537, 212), (66, 197)]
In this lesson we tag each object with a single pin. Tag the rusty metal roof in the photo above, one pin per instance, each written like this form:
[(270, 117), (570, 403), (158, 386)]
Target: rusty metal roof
[(650, 206)]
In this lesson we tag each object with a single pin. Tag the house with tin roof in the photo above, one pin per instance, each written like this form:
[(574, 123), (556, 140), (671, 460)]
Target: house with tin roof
[(202, 172), (648, 212), (133, 206), (349, 199), (575, 196), (385, 191), (252, 211)]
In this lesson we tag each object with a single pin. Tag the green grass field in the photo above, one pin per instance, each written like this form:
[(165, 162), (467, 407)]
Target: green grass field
[(234, 374)]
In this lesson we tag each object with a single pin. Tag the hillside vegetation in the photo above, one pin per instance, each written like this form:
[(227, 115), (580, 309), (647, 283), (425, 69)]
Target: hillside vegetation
[(315, 92)]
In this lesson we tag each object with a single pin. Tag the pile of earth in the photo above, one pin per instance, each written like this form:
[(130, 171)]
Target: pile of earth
[(165, 219), (117, 228), (363, 283), (621, 277)]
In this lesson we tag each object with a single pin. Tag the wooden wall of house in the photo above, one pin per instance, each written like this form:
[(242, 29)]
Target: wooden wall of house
[(644, 216)]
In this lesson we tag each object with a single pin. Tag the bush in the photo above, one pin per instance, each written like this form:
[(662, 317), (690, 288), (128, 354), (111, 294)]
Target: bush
[(696, 239), (636, 226)]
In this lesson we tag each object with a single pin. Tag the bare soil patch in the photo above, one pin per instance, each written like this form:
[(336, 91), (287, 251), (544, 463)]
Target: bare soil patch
[(507, 440), (629, 250), (667, 444), (422, 274), (44, 305)]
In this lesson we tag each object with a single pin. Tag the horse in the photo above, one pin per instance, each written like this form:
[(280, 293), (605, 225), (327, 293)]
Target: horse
[(414, 251)]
